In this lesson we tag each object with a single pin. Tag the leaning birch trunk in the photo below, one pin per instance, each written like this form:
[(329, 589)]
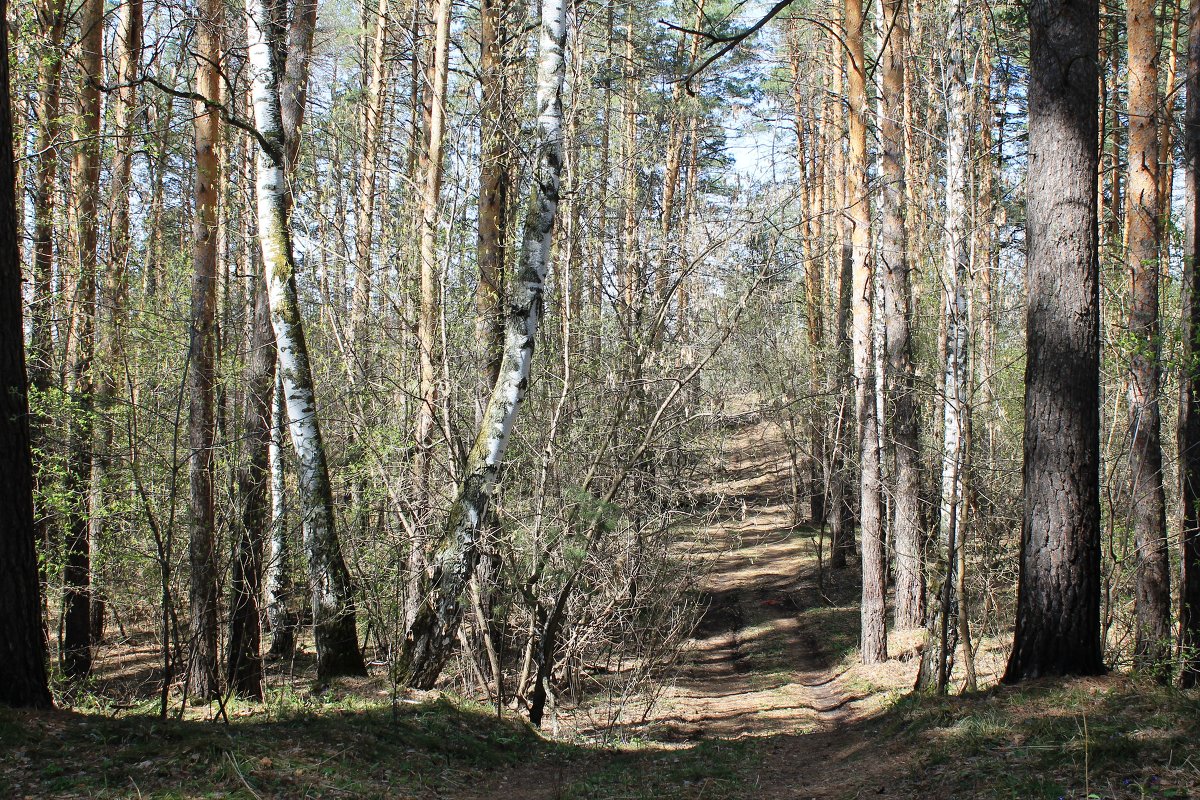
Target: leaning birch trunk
[(943, 624), (435, 627), (329, 580)]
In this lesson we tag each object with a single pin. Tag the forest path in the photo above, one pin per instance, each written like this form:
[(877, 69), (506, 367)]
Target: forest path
[(766, 662)]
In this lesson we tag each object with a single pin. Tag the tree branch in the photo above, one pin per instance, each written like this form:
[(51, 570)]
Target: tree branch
[(268, 147)]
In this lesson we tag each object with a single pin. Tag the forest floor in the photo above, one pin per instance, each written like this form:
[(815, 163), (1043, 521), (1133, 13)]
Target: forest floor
[(768, 702)]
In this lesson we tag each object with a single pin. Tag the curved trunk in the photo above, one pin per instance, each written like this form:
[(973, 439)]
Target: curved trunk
[(329, 580), (435, 626)]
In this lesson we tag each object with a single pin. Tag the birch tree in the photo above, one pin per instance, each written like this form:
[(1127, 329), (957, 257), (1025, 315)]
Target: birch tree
[(328, 579), (434, 628), (938, 657)]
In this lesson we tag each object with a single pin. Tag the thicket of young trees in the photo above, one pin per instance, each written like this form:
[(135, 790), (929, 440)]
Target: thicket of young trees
[(412, 325)]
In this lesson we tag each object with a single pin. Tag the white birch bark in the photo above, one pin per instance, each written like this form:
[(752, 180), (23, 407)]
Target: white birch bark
[(939, 652), (434, 629), (329, 580), (278, 579)]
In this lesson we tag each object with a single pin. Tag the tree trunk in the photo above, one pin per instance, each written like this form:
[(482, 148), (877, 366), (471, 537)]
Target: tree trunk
[(1058, 592), (431, 190), (939, 649), (202, 550), (874, 624), (493, 193), (897, 304), (1189, 405), (85, 178), (281, 612), (364, 199), (1146, 495), (329, 580), (244, 661), (434, 629), (52, 22), (22, 641)]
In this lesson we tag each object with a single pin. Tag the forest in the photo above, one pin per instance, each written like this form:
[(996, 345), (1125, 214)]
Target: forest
[(600, 399)]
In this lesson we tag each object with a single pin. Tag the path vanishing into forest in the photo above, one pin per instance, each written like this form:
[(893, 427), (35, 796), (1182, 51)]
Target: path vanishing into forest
[(767, 659), (766, 665)]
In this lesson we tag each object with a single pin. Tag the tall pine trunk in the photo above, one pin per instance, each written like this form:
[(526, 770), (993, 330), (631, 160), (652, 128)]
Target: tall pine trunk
[(897, 305), (1189, 405), (202, 547), (1058, 590), (1146, 495), (85, 179), (874, 570), (22, 642)]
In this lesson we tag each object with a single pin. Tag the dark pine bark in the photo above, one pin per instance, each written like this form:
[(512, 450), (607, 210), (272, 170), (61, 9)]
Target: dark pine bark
[(1058, 595), (22, 644), (245, 666), (1189, 405)]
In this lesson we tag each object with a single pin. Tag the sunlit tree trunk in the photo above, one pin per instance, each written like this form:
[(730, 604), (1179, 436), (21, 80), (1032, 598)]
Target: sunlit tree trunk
[(52, 23), (203, 683), (329, 580), (897, 306), (85, 180), (938, 657), (1146, 496), (874, 623), (364, 198), (431, 190), (841, 523), (250, 572), (434, 629), (278, 576), (493, 191)]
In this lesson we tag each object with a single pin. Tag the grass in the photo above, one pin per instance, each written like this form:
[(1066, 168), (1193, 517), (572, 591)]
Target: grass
[(348, 746), (1108, 737)]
